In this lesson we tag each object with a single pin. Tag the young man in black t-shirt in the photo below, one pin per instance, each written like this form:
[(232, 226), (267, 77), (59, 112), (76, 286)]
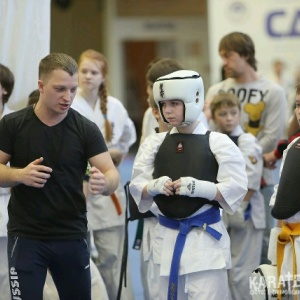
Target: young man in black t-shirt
[(48, 146)]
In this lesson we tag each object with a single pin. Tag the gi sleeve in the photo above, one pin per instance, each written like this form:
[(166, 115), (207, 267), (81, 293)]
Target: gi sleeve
[(232, 178)]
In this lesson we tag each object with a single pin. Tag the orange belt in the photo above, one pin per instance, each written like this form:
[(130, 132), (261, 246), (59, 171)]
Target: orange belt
[(117, 204), (288, 231)]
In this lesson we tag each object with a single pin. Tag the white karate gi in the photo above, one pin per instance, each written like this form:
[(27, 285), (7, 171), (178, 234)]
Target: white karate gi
[(203, 256), (246, 236), (148, 276), (149, 124), (263, 113), (107, 226)]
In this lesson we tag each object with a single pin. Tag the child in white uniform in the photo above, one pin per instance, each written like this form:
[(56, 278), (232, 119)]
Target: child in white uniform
[(199, 266), (246, 225), (105, 215), (284, 247), (156, 69)]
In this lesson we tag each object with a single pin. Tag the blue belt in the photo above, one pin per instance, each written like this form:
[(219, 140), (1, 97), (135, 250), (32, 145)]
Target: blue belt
[(184, 226), (248, 211)]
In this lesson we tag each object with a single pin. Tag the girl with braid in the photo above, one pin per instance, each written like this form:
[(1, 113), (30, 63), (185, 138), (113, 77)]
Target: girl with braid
[(106, 218)]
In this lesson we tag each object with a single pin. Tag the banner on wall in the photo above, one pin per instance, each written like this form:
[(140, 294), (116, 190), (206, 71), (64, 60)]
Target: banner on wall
[(25, 40), (274, 26)]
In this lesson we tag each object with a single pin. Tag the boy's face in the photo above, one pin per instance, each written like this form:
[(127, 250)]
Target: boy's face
[(227, 118), (173, 111), (297, 108)]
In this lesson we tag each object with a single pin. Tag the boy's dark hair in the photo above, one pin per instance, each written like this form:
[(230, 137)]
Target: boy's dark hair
[(57, 61), (7, 81), (161, 67), (242, 44), (224, 99), (33, 97)]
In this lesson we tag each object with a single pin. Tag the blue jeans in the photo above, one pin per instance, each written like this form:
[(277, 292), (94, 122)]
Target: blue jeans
[(67, 260), (4, 280)]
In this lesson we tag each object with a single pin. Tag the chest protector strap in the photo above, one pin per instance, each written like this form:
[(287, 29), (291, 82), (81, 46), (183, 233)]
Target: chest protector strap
[(183, 155), (287, 201)]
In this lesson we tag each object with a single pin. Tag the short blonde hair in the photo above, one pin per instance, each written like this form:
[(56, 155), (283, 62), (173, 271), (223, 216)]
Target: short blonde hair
[(224, 99), (57, 61)]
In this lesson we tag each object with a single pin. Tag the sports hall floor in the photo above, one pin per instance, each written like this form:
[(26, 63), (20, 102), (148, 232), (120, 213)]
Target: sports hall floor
[(134, 255)]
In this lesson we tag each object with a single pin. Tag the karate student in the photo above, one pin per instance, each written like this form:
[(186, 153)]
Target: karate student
[(246, 225), (105, 214), (149, 278), (190, 173), (284, 247)]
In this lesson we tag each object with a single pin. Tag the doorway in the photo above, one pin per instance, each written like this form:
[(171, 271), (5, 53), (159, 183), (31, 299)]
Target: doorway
[(137, 56)]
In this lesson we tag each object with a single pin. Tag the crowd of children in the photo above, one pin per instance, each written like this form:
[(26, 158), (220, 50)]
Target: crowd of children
[(204, 168)]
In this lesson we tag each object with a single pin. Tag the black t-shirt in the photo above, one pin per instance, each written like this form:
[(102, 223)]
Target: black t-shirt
[(58, 210)]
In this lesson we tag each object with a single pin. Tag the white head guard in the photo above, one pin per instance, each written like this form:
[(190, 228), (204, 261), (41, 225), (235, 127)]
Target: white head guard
[(182, 85)]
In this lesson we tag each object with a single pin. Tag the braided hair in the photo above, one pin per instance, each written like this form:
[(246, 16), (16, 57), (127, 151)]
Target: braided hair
[(102, 93)]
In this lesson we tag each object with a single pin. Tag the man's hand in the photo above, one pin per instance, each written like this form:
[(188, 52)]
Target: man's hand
[(97, 182), (35, 174)]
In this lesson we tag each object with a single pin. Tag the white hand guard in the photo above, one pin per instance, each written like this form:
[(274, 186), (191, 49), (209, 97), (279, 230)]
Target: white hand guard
[(156, 186), (198, 188)]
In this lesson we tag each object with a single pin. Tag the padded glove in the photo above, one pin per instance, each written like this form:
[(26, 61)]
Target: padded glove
[(197, 188), (156, 186)]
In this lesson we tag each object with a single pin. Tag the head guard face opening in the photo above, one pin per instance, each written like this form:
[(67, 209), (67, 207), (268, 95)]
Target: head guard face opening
[(182, 85)]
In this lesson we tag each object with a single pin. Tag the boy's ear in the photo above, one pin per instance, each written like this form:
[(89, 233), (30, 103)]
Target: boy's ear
[(155, 113)]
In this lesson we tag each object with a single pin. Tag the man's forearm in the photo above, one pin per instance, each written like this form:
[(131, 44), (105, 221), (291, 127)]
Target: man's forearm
[(112, 181), (9, 177)]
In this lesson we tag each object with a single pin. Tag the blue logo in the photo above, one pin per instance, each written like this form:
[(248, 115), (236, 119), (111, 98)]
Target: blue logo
[(278, 16)]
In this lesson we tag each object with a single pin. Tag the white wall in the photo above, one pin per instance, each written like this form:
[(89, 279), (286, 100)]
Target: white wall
[(185, 32), (25, 40)]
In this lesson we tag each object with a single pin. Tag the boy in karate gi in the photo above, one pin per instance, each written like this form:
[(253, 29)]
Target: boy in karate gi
[(246, 225), (190, 173)]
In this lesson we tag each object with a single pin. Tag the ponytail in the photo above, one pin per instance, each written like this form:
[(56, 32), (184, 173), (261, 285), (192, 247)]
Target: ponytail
[(103, 107)]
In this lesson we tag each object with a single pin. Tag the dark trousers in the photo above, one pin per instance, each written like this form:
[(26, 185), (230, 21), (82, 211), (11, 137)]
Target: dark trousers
[(67, 260)]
